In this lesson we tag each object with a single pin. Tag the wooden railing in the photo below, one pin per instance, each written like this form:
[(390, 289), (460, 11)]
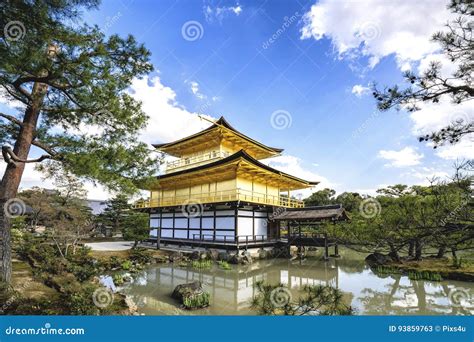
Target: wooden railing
[(220, 196), (196, 160), (246, 239)]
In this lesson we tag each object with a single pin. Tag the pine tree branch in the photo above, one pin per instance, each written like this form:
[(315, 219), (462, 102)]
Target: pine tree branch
[(45, 148), (11, 158), (12, 119)]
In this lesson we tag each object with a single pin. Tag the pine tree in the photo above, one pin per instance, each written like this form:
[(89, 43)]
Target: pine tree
[(69, 83), (457, 43)]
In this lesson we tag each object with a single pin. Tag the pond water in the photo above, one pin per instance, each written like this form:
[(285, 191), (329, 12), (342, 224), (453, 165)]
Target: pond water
[(370, 294)]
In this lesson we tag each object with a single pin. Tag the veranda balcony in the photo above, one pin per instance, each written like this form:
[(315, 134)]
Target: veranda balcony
[(185, 163), (221, 196)]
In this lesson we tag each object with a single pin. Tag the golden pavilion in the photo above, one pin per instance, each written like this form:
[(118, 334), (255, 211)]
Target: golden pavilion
[(217, 192)]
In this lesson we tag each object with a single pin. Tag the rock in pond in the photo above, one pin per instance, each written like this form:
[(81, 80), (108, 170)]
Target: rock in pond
[(243, 259), (191, 295), (195, 255), (223, 256), (213, 254), (246, 258), (176, 257), (234, 259)]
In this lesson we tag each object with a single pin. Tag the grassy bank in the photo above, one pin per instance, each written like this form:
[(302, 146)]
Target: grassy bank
[(104, 255), (431, 269), (25, 283)]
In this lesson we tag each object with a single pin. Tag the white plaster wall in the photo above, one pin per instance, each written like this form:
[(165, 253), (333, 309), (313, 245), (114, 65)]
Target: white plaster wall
[(261, 226), (244, 226)]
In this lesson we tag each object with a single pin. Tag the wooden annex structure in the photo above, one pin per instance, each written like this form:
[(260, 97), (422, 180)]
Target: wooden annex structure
[(296, 219), (218, 193)]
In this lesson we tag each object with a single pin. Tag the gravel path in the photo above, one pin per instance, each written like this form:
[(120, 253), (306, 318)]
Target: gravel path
[(110, 246)]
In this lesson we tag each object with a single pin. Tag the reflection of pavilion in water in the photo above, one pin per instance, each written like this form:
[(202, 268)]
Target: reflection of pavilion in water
[(232, 291)]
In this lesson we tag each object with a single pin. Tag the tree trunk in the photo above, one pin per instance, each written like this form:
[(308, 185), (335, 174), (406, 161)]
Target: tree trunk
[(13, 173), (394, 253), (411, 249), (418, 249), (5, 243), (441, 252), (453, 253)]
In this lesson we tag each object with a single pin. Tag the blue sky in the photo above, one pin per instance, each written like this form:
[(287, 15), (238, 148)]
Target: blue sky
[(306, 63)]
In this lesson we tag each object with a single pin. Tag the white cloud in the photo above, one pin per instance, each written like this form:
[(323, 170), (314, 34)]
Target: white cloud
[(376, 29), (195, 90), (194, 87), (405, 157), (218, 13), (423, 175), (32, 178), (369, 191), (434, 116), (359, 90), (293, 166), (462, 150), (169, 120)]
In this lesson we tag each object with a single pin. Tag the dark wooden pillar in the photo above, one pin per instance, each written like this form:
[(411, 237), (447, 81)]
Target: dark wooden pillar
[(158, 237), (326, 248), (236, 226), (336, 250), (158, 231), (288, 228)]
